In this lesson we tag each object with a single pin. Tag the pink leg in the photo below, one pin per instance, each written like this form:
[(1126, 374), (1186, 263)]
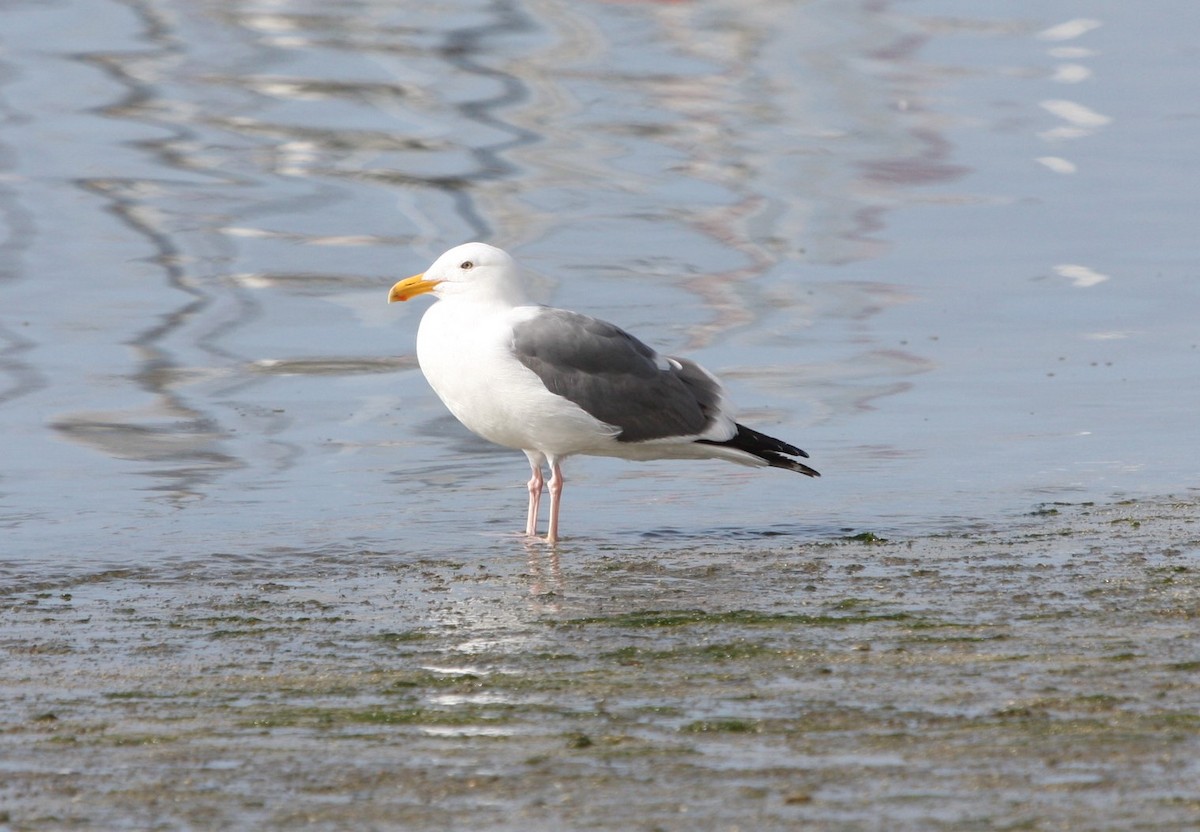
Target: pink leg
[(536, 484), (556, 487)]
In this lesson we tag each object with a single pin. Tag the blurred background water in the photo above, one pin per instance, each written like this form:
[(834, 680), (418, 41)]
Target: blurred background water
[(950, 250)]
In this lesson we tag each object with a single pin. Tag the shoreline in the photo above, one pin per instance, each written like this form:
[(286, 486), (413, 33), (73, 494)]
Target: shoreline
[(1038, 676)]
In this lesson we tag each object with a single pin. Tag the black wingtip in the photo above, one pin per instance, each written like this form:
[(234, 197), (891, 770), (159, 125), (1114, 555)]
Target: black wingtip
[(774, 452), (780, 461)]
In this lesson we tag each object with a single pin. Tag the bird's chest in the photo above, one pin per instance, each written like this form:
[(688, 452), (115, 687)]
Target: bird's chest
[(467, 359)]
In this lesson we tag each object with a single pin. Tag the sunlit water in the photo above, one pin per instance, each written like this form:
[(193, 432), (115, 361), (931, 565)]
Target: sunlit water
[(952, 256)]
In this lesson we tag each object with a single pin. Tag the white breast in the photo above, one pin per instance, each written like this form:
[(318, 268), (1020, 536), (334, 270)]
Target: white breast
[(464, 350)]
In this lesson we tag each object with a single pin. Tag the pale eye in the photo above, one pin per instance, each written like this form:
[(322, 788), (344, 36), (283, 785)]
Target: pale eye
[(466, 264)]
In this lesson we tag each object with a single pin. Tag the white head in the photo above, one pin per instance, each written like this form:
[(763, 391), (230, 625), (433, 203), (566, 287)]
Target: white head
[(473, 270)]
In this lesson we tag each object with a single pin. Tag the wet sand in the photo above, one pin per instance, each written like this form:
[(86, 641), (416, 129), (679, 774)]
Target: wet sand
[(252, 572), (1039, 676)]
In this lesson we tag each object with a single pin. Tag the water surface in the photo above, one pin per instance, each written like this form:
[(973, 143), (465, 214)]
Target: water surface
[(949, 253)]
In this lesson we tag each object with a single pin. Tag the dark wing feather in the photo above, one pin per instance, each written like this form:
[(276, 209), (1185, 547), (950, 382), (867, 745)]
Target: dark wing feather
[(615, 377), (774, 452)]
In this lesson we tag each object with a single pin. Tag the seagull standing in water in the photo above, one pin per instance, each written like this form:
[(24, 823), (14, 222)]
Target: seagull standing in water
[(553, 383)]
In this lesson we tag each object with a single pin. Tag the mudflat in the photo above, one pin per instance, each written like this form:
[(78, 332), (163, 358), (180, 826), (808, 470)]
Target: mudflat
[(1043, 675)]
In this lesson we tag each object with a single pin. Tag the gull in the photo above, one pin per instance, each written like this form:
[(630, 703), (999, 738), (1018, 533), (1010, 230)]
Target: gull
[(553, 383)]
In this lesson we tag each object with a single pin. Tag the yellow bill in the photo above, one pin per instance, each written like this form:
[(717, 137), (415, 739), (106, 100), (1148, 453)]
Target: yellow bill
[(410, 287)]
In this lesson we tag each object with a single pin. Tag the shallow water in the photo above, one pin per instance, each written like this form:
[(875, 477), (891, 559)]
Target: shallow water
[(1038, 677), (951, 255), (252, 575)]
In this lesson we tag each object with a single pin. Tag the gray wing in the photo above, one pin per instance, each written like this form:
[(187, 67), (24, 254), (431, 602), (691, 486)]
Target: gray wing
[(615, 377)]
